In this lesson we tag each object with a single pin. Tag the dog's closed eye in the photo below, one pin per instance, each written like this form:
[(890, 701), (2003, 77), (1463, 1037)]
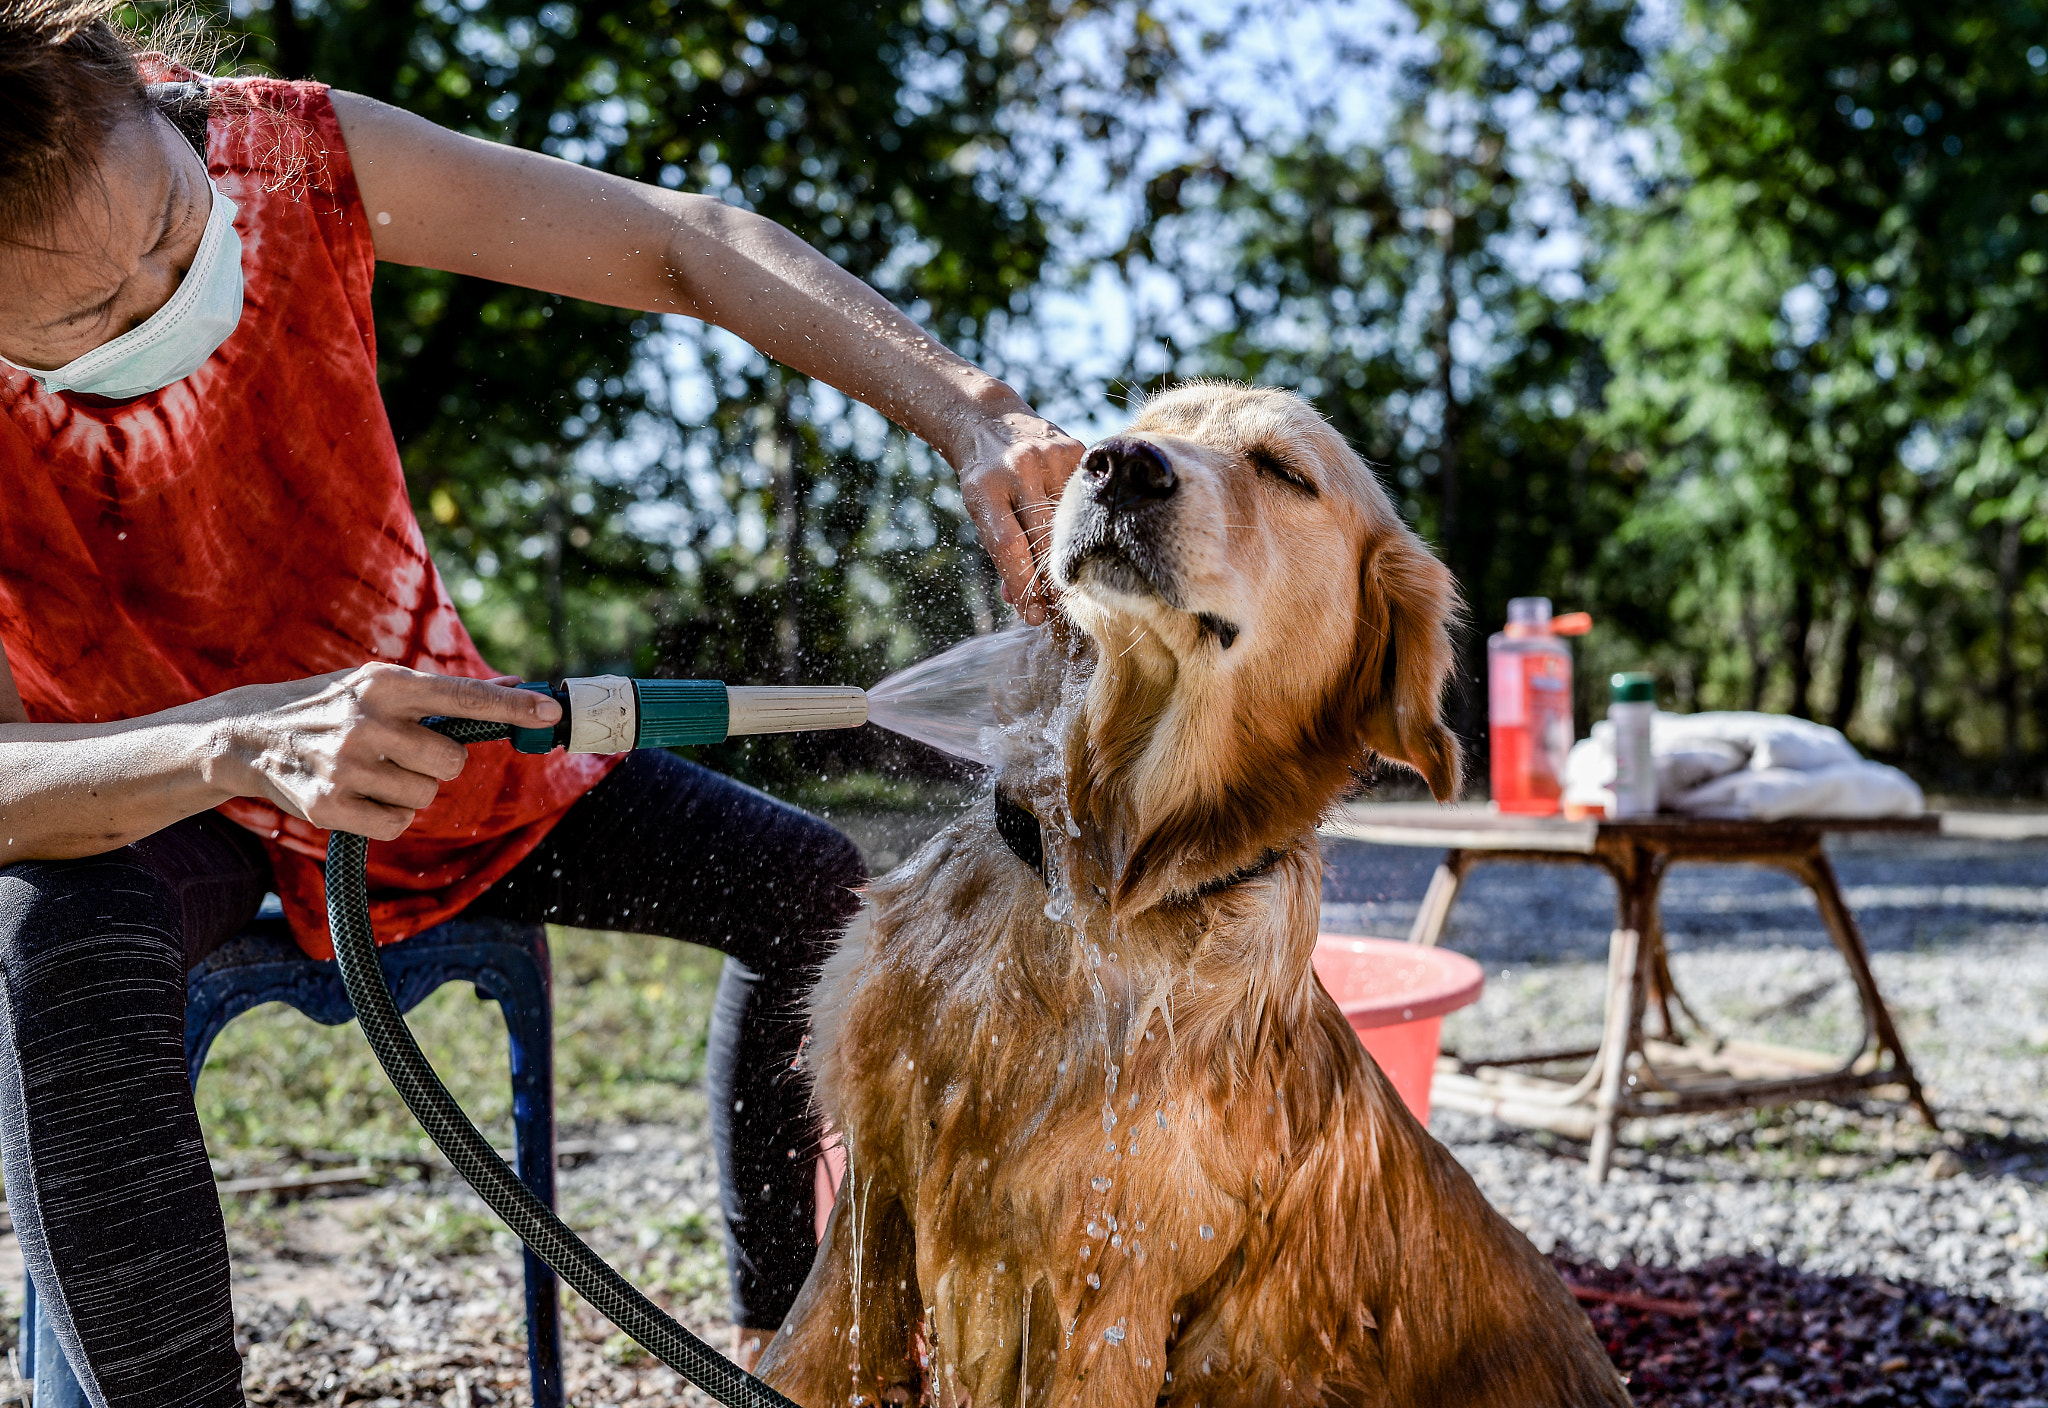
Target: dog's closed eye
[(1268, 462)]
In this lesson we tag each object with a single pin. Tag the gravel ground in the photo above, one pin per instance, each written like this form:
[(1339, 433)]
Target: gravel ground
[(1815, 1254), (1957, 931)]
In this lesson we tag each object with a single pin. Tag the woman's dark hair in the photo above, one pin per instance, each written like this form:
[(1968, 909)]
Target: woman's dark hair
[(69, 75)]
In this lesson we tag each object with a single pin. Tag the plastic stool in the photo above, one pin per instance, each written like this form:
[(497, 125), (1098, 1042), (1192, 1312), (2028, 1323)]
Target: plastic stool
[(507, 963)]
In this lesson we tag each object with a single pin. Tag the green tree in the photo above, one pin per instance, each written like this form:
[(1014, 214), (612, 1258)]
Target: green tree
[(1824, 326)]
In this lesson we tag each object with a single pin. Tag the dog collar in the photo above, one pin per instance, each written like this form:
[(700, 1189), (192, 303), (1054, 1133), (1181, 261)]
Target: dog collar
[(1021, 832)]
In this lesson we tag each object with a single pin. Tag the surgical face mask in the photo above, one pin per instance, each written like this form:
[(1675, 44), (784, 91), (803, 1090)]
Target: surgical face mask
[(176, 340)]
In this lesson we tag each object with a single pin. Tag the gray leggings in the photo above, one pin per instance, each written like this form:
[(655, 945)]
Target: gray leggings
[(107, 1175)]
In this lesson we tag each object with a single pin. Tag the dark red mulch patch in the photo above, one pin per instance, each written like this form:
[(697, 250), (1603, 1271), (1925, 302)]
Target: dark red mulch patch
[(1749, 1331)]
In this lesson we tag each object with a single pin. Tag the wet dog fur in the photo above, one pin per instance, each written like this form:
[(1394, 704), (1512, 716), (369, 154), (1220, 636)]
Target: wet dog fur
[(1135, 1155)]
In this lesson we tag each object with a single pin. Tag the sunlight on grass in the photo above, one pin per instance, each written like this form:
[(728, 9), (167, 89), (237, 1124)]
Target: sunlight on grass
[(631, 1015)]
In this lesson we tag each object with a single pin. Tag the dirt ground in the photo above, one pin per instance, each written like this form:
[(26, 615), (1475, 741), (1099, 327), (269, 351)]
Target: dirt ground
[(411, 1294)]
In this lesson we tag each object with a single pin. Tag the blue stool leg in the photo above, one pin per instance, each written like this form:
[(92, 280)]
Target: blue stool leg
[(529, 1022)]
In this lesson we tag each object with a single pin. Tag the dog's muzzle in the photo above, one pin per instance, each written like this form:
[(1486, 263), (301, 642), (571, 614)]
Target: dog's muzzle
[(1118, 535)]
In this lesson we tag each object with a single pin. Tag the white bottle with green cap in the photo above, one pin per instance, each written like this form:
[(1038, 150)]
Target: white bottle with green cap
[(1632, 706)]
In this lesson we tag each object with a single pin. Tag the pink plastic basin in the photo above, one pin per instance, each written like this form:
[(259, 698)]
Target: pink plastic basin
[(1395, 995)]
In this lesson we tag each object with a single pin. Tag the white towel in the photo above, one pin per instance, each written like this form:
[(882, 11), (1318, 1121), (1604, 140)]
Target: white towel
[(1733, 764)]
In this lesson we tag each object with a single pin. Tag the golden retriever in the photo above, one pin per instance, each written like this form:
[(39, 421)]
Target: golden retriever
[(1108, 1140)]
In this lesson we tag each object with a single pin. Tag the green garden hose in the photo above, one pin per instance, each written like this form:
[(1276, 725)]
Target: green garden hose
[(355, 950)]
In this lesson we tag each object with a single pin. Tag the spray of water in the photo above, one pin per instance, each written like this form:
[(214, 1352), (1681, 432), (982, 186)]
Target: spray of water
[(955, 701), (1007, 701)]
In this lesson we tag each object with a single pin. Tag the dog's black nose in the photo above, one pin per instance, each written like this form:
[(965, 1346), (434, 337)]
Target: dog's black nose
[(1130, 469)]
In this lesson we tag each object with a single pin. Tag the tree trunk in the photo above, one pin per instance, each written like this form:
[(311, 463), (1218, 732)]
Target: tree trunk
[(1862, 581), (1849, 681), (1798, 654), (1753, 641), (292, 39), (792, 491), (1452, 424), (556, 527), (1468, 703), (2008, 669)]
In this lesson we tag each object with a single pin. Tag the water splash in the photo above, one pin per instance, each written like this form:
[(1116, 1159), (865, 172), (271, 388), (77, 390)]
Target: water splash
[(955, 700)]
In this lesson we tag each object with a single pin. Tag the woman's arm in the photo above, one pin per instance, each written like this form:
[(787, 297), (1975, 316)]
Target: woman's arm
[(346, 752), (446, 201)]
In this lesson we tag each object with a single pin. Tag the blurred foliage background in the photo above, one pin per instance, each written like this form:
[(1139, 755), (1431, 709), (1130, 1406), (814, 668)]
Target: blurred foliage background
[(1720, 320)]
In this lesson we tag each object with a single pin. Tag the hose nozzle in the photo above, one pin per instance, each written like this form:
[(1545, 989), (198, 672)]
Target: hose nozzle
[(610, 713)]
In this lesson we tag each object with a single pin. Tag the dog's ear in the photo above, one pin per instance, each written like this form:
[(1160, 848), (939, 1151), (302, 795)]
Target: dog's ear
[(1407, 601)]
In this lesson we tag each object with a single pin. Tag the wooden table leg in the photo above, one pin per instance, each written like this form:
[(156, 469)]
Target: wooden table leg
[(1617, 1042), (1659, 989), (1813, 867), (1438, 899)]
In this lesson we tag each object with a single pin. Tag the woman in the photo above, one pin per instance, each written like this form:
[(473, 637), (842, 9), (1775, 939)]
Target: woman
[(224, 627)]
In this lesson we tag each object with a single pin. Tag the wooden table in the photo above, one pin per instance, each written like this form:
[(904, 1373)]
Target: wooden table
[(1647, 1063)]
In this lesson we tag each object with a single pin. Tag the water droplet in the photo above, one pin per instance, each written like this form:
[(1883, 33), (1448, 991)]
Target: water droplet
[(1116, 1239), (1108, 1119), (1099, 1184), (1161, 1117), (1208, 1233), (1094, 1282), (1114, 1334), (1002, 1266)]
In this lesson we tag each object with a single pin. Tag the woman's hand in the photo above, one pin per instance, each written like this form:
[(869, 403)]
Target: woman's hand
[(347, 751), (1012, 470), (344, 752)]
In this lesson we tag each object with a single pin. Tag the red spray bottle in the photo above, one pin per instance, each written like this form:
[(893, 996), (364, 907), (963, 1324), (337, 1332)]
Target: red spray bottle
[(1529, 705)]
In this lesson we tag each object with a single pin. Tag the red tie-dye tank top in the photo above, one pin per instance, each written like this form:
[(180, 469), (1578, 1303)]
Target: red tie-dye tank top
[(249, 524)]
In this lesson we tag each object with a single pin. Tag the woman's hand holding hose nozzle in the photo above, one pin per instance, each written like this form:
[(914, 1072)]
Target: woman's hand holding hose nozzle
[(610, 713), (351, 752), (348, 751)]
